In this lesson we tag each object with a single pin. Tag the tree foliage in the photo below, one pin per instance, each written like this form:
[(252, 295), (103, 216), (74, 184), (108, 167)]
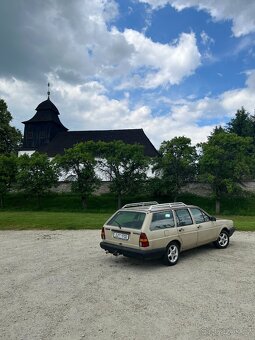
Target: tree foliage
[(227, 159), (36, 174), (10, 137), (177, 164), (125, 165), (80, 162), (243, 124), (8, 172)]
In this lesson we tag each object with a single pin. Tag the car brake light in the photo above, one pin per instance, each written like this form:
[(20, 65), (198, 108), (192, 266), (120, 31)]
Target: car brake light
[(102, 234), (143, 240)]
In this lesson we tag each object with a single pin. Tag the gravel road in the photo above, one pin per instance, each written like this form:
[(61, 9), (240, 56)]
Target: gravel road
[(61, 285)]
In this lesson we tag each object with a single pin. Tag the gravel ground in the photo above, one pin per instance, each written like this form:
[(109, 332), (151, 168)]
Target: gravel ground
[(61, 285)]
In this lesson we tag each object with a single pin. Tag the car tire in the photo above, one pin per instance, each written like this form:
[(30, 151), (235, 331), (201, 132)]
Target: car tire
[(172, 254), (222, 241)]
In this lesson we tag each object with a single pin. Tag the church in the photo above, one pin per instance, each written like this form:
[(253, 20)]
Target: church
[(45, 133)]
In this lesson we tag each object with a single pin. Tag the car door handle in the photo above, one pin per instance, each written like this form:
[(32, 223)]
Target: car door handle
[(181, 229), (199, 226)]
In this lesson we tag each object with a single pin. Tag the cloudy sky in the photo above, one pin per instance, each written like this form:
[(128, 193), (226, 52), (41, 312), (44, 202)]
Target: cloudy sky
[(171, 67)]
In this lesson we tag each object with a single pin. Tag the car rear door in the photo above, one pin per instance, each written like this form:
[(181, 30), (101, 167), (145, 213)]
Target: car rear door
[(161, 229)]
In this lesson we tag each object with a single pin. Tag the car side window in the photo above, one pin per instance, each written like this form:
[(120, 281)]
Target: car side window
[(183, 217), (199, 215), (162, 220)]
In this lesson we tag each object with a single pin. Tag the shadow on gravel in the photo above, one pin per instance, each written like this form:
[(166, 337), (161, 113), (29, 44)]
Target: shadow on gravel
[(152, 265)]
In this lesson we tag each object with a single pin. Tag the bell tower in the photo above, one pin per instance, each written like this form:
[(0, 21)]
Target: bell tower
[(43, 126)]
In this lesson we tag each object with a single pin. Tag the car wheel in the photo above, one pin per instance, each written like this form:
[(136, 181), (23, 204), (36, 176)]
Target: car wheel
[(222, 241), (172, 253)]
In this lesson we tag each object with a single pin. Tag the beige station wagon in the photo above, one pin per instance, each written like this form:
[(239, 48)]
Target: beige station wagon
[(151, 230)]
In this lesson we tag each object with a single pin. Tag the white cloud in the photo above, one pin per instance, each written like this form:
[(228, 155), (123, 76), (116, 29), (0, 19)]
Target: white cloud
[(79, 43), (88, 107), (240, 12), (206, 39), (166, 64)]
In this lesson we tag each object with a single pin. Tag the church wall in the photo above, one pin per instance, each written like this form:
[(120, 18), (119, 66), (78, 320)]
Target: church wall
[(195, 188), (26, 152)]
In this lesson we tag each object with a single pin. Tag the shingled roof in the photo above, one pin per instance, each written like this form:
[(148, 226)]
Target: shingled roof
[(46, 112), (66, 140)]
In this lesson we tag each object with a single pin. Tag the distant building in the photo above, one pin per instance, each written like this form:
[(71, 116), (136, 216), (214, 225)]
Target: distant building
[(45, 133)]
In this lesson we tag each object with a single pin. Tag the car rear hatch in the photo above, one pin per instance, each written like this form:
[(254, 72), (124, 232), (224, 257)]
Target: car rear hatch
[(124, 228)]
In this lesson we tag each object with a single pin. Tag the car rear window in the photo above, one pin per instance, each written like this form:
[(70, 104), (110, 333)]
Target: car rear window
[(183, 217), (127, 219), (162, 220)]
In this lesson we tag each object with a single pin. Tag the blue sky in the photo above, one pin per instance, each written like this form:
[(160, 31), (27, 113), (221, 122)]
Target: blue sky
[(171, 67)]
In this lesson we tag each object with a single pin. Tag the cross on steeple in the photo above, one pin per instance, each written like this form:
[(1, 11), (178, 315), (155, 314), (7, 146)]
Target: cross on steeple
[(48, 91)]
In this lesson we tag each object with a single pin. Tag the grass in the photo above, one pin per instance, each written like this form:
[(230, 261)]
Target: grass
[(25, 220), (243, 223), (51, 220)]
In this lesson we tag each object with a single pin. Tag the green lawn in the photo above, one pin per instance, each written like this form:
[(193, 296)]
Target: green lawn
[(243, 223), (51, 220), (21, 220)]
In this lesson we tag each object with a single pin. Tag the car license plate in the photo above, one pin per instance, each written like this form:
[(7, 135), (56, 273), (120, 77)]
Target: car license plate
[(121, 236)]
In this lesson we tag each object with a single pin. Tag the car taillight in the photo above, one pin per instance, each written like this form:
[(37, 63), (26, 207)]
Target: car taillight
[(102, 234), (143, 240)]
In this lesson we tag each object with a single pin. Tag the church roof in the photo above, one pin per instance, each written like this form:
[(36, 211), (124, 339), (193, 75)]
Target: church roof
[(46, 112), (47, 105), (66, 140)]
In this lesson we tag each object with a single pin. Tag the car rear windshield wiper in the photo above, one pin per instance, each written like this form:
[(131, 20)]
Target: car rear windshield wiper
[(119, 225)]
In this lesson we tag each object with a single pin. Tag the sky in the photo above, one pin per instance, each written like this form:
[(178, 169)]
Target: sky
[(170, 67)]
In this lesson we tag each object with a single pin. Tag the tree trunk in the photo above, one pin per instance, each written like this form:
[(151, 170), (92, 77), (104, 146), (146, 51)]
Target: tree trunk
[(84, 202), (217, 206), (119, 201), (38, 201)]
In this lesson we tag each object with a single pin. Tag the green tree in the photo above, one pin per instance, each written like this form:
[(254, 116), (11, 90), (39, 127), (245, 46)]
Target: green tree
[(176, 165), (226, 160), (242, 124), (10, 137), (8, 172), (36, 174), (125, 165), (80, 162)]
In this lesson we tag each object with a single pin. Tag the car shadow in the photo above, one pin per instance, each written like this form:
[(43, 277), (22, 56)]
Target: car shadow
[(155, 264)]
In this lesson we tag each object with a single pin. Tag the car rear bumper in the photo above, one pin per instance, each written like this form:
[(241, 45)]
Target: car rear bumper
[(137, 253)]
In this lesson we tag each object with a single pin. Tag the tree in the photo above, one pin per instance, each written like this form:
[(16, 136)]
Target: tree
[(80, 162), (177, 164), (242, 124), (10, 137), (36, 174), (125, 165), (8, 171), (227, 159)]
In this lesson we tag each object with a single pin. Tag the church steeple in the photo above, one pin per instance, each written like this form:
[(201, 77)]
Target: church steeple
[(48, 93), (43, 126)]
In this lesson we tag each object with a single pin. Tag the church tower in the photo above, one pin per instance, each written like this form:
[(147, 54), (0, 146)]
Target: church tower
[(43, 126)]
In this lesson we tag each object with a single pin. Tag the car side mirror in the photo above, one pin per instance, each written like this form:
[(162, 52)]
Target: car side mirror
[(212, 218)]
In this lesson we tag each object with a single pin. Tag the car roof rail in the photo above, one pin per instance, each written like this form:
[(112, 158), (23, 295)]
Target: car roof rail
[(140, 204), (167, 205)]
